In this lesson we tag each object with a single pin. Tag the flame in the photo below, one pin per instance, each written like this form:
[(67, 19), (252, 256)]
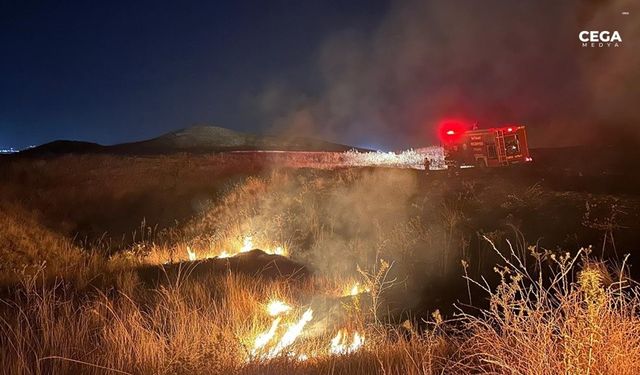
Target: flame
[(264, 338), (270, 343), (279, 251), (192, 254), (335, 342), (275, 308), (247, 244), (357, 342), (355, 289), (292, 333), (340, 345)]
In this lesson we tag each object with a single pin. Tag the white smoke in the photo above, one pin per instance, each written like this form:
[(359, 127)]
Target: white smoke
[(492, 61)]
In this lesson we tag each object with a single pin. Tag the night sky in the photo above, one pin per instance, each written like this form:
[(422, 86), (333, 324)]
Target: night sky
[(369, 73), (118, 71)]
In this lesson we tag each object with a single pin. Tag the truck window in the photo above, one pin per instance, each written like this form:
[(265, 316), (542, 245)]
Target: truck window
[(512, 144)]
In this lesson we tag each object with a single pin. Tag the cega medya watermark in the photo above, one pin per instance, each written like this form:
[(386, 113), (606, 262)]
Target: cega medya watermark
[(600, 38)]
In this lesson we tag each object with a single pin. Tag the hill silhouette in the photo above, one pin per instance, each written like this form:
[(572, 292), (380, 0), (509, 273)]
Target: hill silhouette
[(213, 138), (196, 139)]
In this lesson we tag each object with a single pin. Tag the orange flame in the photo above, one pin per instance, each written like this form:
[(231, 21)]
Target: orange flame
[(340, 344)]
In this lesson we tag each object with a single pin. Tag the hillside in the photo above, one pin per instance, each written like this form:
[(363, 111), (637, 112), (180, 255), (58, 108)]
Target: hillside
[(196, 139), (63, 147), (213, 138)]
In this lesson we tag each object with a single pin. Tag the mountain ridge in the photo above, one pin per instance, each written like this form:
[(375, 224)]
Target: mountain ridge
[(194, 139)]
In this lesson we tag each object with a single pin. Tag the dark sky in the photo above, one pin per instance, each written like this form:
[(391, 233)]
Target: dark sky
[(373, 73), (113, 71)]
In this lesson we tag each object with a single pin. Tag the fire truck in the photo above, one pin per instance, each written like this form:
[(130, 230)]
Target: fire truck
[(494, 147)]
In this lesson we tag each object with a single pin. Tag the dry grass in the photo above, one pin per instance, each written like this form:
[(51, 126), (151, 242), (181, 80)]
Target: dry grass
[(185, 326), (90, 312), (28, 247), (181, 327), (580, 321)]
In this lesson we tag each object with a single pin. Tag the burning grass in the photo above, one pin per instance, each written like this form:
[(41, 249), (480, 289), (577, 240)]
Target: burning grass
[(367, 238), (577, 319), (220, 325)]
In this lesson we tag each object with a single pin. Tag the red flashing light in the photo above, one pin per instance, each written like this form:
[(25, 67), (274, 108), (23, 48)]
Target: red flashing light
[(450, 131), (509, 129)]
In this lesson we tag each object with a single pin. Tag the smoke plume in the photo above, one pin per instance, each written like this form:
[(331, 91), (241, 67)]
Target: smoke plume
[(492, 61)]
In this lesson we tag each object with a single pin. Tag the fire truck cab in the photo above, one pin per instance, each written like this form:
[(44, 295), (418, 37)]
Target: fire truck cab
[(493, 147)]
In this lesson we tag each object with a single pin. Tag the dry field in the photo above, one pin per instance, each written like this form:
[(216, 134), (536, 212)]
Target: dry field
[(361, 271)]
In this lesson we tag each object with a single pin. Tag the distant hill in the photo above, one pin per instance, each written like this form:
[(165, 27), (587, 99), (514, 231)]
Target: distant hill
[(63, 147), (196, 139), (213, 138)]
